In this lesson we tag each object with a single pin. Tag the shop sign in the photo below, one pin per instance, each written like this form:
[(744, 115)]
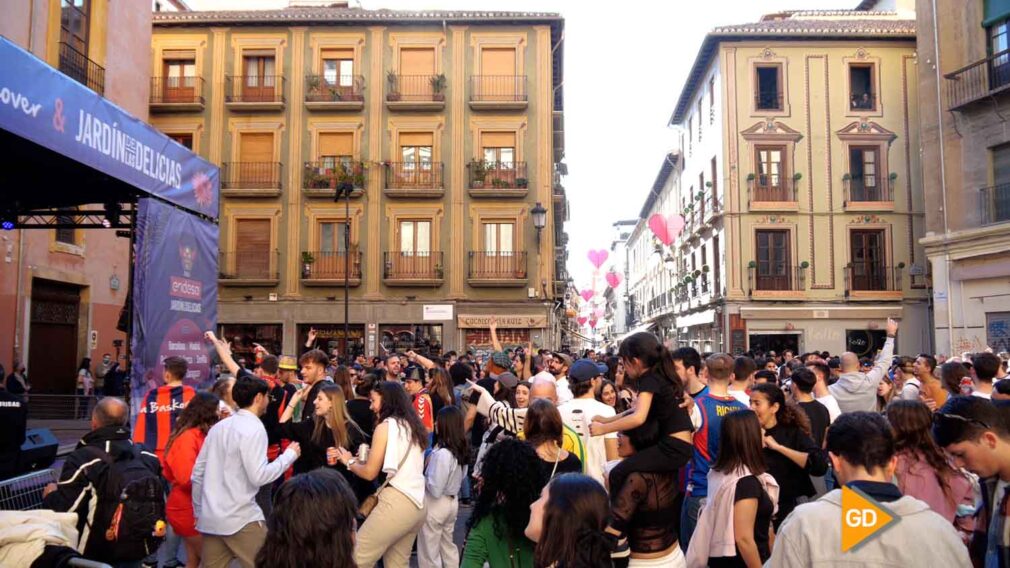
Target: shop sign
[(437, 312), (511, 321)]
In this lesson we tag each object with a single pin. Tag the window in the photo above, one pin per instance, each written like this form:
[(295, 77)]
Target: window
[(999, 44), (700, 120), (770, 178), (716, 264), (252, 249), (74, 24), (769, 87), (333, 237), (690, 134), (417, 66), (864, 182), (184, 139), (415, 168), (415, 238), (255, 167), (179, 76), (862, 94), (773, 260), (336, 148), (715, 183), (66, 235), (259, 82), (498, 238), (499, 154), (498, 80), (338, 67), (868, 257)]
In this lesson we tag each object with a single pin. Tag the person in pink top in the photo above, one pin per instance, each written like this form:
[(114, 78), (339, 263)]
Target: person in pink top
[(181, 452), (924, 472)]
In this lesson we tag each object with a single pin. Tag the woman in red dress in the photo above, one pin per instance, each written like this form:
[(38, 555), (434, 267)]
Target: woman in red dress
[(177, 466)]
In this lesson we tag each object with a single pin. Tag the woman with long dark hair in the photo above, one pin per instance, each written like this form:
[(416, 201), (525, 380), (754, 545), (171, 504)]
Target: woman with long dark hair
[(181, 451), (444, 474), (568, 522), (923, 470), (734, 527), (360, 407), (510, 482), (657, 414), (331, 427), (790, 452), (543, 430), (439, 388), (609, 395), (397, 450), (312, 523), (342, 378)]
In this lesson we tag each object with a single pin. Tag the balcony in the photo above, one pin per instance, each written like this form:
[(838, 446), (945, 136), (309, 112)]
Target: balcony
[(769, 194), (863, 102), (498, 92), (413, 269), (868, 194), (776, 281), (78, 67), (865, 280), (249, 268), (254, 92), (994, 204), (979, 80), (711, 209), (345, 92), (251, 179), (327, 268), (497, 269), (177, 94), (414, 179), (320, 179), (497, 179), (768, 100), (415, 92)]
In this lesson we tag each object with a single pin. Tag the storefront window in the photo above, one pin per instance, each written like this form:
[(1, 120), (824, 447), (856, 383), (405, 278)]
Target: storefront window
[(423, 339), (243, 337), (479, 340), (330, 338)]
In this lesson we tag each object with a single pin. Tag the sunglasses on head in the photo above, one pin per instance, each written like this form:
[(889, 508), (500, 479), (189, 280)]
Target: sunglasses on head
[(940, 416)]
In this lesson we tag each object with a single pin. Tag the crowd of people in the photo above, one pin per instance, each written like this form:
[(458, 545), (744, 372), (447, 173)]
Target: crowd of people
[(643, 457)]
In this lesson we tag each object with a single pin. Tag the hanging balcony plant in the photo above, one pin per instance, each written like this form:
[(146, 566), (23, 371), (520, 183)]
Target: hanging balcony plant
[(752, 264), (797, 176), (804, 265)]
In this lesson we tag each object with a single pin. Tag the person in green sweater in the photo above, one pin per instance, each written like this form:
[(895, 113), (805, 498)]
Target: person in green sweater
[(511, 480)]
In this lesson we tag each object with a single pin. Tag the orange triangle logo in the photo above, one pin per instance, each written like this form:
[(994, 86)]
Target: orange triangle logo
[(862, 518)]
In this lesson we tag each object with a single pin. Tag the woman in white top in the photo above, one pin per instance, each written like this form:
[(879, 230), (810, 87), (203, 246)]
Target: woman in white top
[(444, 475), (397, 450)]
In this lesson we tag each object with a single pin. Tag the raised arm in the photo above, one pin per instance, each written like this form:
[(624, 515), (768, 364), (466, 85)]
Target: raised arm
[(223, 351), (494, 334), (420, 360)]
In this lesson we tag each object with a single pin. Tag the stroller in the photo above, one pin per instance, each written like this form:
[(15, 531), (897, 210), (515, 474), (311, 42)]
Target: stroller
[(23, 524)]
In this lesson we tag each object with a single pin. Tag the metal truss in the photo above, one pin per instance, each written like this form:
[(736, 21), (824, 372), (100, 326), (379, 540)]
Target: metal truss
[(63, 219)]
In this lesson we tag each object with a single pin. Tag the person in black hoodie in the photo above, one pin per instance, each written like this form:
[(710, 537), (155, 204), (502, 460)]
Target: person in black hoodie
[(83, 474), (13, 425)]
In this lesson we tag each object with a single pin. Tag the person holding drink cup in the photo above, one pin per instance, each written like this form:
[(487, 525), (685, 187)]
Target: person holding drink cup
[(320, 435)]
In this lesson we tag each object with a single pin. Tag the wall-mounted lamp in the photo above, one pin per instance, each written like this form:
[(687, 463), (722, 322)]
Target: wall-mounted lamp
[(539, 219)]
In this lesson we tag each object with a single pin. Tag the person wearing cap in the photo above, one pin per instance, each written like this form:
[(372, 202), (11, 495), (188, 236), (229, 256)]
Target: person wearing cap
[(584, 379), (560, 365), (413, 383)]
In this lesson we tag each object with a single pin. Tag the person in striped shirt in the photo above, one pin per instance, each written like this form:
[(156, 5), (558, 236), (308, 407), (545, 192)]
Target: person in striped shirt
[(162, 406)]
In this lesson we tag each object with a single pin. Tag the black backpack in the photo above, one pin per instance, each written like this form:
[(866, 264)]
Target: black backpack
[(129, 522)]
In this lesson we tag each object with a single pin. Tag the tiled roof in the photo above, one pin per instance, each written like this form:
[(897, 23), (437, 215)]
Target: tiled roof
[(349, 15), (792, 26)]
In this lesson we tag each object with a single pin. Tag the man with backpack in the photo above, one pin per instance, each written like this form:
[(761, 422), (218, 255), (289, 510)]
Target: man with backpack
[(115, 488)]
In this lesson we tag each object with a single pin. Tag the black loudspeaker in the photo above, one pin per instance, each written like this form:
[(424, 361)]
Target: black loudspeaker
[(38, 451)]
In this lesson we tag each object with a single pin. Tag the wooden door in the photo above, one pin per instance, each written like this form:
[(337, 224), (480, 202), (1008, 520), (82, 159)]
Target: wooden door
[(53, 337), (868, 270), (180, 81), (252, 249), (865, 178), (773, 262), (259, 83), (256, 160)]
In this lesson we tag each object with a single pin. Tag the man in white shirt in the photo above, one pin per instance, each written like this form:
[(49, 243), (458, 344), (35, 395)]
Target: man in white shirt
[(584, 379), (560, 365), (231, 468), (821, 392)]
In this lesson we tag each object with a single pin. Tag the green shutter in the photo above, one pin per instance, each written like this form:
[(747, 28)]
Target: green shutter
[(995, 10)]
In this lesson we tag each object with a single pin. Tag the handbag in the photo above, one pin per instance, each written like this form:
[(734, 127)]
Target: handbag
[(369, 503)]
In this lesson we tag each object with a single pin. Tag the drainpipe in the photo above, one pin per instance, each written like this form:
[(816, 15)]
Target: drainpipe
[(943, 180), (19, 300)]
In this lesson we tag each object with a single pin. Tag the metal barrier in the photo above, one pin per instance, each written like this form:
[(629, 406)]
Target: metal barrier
[(24, 493), (60, 406)]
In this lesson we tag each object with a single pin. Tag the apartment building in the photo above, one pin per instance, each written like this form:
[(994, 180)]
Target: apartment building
[(62, 290), (964, 72), (443, 133), (801, 185)]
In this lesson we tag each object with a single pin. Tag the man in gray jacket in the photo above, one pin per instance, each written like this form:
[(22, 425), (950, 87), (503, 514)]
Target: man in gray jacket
[(855, 390)]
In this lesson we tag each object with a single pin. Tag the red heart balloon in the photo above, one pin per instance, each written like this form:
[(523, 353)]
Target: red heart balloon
[(613, 279), (659, 228), (582, 320), (587, 294), (592, 323)]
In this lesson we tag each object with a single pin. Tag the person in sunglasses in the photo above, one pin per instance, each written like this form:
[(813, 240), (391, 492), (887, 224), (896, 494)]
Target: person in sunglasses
[(975, 433)]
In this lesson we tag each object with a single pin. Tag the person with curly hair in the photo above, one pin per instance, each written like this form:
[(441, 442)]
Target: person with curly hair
[(790, 452), (568, 521), (510, 482), (323, 538)]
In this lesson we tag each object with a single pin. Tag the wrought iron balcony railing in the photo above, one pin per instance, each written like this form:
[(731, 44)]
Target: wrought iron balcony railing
[(497, 265), (413, 265), (177, 90), (498, 88), (78, 67), (251, 175), (978, 80), (342, 88), (331, 265)]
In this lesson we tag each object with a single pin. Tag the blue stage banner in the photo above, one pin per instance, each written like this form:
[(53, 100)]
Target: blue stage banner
[(45, 106), (174, 295)]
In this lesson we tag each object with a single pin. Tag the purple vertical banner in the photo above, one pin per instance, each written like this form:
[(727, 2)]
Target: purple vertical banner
[(174, 295)]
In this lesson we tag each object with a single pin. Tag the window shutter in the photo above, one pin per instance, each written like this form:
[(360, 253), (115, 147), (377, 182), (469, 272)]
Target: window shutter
[(417, 61), (256, 147), (1001, 164), (497, 61), (995, 10), (417, 139), (174, 54), (498, 139), (336, 144)]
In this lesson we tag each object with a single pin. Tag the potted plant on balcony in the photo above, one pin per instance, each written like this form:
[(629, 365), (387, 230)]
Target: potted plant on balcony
[(312, 84), (358, 174), (846, 177), (804, 265), (439, 272), (438, 87), (522, 183), (704, 269), (479, 172), (751, 178), (394, 91), (307, 261), (752, 264)]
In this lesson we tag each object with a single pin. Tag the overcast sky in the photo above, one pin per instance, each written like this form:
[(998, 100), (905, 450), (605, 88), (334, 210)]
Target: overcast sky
[(625, 60)]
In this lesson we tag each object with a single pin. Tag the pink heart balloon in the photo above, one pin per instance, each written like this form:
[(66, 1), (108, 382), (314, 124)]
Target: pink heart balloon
[(674, 225), (613, 279), (592, 324), (587, 295), (659, 227), (598, 313), (582, 321), (598, 257)]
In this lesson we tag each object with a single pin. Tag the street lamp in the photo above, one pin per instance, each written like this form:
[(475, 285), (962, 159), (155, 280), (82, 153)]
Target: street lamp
[(344, 188), (539, 219)]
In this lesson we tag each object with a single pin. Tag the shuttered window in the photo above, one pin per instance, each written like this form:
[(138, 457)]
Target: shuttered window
[(336, 144), (498, 61), (415, 61), (252, 248), (256, 147)]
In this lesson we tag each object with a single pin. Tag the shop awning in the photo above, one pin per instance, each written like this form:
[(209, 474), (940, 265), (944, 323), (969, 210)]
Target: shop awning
[(644, 327), (63, 145), (580, 336)]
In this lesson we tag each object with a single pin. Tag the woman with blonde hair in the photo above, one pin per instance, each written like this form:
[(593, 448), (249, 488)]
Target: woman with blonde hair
[(331, 427)]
